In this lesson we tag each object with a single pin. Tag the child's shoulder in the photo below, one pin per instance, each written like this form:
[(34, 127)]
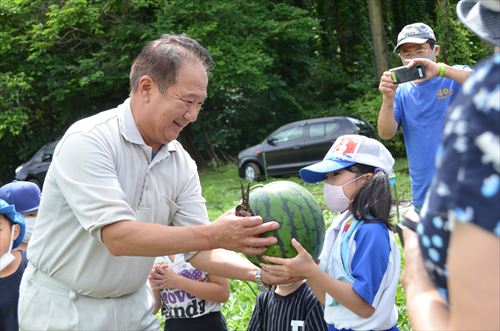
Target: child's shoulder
[(372, 229)]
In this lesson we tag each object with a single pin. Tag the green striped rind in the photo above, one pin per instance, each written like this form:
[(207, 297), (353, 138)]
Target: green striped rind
[(298, 213)]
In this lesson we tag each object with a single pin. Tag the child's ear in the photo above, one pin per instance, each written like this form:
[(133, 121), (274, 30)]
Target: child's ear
[(17, 230)]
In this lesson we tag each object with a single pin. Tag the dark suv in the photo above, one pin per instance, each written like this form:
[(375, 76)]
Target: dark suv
[(296, 145), (36, 168)]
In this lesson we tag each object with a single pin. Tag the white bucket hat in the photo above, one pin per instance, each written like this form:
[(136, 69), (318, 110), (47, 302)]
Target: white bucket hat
[(482, 17)]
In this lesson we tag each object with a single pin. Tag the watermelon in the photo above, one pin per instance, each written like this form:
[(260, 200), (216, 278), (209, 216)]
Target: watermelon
[(297, 212)]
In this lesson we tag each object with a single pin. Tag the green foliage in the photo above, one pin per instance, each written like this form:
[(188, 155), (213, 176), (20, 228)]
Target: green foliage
[(458, 43), (275, 62)]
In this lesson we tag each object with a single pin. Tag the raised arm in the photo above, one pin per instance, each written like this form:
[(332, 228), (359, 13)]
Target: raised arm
[(386, 124), (433, 69)]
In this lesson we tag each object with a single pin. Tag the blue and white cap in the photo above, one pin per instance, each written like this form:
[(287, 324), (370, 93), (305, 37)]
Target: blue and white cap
[(348, 150)]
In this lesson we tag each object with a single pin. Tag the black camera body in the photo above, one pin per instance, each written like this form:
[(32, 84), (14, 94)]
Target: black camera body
[(403, 74)]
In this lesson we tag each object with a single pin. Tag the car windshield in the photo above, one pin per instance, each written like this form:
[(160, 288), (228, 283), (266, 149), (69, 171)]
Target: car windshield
[(45, 150)]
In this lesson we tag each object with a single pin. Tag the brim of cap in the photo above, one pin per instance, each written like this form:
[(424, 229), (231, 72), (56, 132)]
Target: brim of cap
[(410, 41), (481, 21), (317, 172), (28, 210)]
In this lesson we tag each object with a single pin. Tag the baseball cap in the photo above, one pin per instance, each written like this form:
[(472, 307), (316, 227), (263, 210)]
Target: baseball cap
[(416, 33), (24, 195), (348, 150), (12, 215), (481, 17)]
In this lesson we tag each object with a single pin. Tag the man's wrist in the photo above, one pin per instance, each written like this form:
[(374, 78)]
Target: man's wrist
[(442, 70)]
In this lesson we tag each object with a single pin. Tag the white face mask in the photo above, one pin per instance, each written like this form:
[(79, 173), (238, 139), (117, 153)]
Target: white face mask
[(335, 197), (8, 257), (30, 225)]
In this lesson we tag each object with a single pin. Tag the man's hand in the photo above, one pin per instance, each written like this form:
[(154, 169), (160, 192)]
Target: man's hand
[(241, 234), (431, 67), (386, 86)]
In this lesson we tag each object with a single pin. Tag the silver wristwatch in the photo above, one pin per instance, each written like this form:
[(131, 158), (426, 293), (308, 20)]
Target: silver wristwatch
[(258, 279)]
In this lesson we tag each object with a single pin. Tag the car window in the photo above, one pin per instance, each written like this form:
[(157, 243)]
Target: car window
[(45, 150), (293, 133), (322, 129)]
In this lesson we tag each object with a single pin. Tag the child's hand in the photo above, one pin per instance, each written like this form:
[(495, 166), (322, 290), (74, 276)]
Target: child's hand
[(162, 277), (299, 266)]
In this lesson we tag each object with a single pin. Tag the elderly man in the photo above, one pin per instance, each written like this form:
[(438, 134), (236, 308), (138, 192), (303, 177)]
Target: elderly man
[(118, 179)]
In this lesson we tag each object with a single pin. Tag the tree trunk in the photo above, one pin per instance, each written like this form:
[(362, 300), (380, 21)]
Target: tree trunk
[(378, 35), (443, 8)]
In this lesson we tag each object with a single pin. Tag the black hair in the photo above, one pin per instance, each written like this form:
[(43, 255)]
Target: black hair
[(431, 43), (162, 58), (373, 201)]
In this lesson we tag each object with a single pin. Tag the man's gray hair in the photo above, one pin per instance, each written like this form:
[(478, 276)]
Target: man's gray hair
[(161, 59)]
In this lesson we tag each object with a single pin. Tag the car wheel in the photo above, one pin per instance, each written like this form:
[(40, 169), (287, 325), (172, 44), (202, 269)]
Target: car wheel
[(251, 171)]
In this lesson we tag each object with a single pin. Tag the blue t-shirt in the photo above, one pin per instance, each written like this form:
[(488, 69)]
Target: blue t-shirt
[(420, 110), (467, 181), (9, 296)]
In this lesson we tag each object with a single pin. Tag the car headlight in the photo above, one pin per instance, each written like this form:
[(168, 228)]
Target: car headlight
[(18, 169)]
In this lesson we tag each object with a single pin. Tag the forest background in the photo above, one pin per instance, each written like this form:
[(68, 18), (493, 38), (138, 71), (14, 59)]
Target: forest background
[(275, 62)]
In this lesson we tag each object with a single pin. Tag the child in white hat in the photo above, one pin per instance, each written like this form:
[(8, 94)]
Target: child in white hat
[(360, 262)]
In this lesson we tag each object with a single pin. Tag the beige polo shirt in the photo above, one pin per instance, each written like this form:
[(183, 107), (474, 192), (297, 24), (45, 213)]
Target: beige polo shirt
[(102, 173)]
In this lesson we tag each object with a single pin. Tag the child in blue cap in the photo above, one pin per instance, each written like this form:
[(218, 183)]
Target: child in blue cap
[(25, 196), (12, 264)]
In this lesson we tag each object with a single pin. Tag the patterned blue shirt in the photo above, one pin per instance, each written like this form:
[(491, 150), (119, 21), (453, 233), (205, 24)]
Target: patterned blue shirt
[(467, 181)]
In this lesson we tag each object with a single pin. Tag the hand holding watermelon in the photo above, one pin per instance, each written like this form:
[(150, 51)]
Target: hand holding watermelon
[(241, 234), (300, 266), (295, 209)]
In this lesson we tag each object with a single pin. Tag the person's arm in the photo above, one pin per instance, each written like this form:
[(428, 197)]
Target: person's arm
[(474, 289), (157, 305), (386, 124), (133, 238), (304, 266), (229, 264), (432, 70), (318, 291), (214, 289)]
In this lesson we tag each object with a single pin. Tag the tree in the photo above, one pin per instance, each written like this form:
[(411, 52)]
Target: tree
[(378, 35)]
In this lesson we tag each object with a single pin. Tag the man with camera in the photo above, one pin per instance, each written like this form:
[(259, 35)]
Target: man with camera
[(418, 105)]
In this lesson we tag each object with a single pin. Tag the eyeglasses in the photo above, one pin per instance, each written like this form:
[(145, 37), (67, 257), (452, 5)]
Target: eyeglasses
[(419, 52)]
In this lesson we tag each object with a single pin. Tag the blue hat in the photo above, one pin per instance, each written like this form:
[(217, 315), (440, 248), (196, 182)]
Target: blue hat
[(12, 215), (24, 195), (348, 150)]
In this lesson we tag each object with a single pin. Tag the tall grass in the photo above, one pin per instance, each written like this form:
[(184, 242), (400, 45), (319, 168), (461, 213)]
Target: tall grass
[(221, 189)]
